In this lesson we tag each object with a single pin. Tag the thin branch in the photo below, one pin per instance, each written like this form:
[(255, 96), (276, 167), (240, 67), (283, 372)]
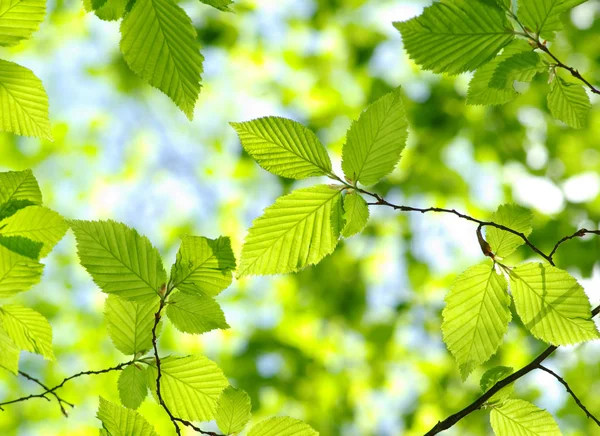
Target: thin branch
[(578, 234), (570, 391), (54, 394), (480, 402), (61, 384)]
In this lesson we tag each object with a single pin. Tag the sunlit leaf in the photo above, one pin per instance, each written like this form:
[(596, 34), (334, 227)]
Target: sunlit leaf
[(233, 410), (282, 426), (569, 103), (542, 17), (222, 5), (9, 353), (356, 214), (19, 19), (518, 417), (514, 217), (195, 313), (132, 386), (130, 323), (493, 376), (17, 273), (29, 330), (18, 189), (120, 421), (520, 67)]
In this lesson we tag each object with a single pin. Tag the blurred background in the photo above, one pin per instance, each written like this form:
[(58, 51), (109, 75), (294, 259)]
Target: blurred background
[(352, 346)]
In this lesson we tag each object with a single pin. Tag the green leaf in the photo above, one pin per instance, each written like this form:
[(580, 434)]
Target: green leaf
[(119, 421), (569, 103), (233, 410), (476, 316), (190, 386), (132, 386), (110, 10), (130, 324), (505, 4), (480, 90), (300, 229), (514, 217), (222, 5), (284, 147), (493, 376), (9, 353), (203, 266), (542, 17), (23, 246), (551, 304), (119, 259), (29, 330), (282, 426), (518, 417), (17, 273), (356, 214), (23, 102), (454, 36), (195, 313), (159, 44), (18, 189), (38, 224), (19, 19), (376, 140), (522, 67)]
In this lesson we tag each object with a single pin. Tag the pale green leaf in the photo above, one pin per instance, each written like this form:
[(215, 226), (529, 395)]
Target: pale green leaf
[(132, 386), (542, 17), (190, 386), (356, 214), (19, 19), (233, 410), (195, 313), (551, 304), (119, 259), (476, 316), (520, 67), (569, 103), (282, 426), (284, 147), (203, 266), (159, 44), (300, 229), (222, 5), (518, 417), (23, 102), (454, 36), (120, 421), (111, 10), (38, 224), (480, 90), (17, 273), (514, 217), (493, 376), (29, 330), (18, 189), (130, 323), (9, 353), (376, 140)]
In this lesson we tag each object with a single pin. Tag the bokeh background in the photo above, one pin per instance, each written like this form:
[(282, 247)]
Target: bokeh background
[(352, 346)]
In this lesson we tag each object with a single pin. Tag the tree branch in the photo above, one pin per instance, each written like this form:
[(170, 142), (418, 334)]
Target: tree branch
[(570, 391), (578, 234), (54, 394)]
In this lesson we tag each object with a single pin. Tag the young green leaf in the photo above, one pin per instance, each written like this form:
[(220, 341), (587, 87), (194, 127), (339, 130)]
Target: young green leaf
[(493, 376), (356, 214), (22, 246), (132, 386), (476, 316), (119, 421), (159, 44), (36, 223), (233, 410), (23, 102), (518, 417), (111, 10), (18, 189), (190, 386), (542, 17), (195, 313), (29, 330), (551, 304), (520, 67), (282, 426), (569, 103), (130, 323), (17, 273), (376, 140), (9, 353), (284, 147), (203, 266), (119, 259), (300, 229), (514, 217), (19, 19), (454, 36), (222, 5)]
